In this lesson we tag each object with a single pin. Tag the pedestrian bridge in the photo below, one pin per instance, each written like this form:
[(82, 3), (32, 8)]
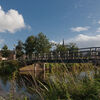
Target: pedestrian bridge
[(81, 55)]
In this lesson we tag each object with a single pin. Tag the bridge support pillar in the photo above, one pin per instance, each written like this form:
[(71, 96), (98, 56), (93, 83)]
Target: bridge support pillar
[(44, 70), (35, 70), (38, 68)]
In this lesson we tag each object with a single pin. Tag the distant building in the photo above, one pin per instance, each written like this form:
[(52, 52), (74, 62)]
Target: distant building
[(12, 56), (2, 58)]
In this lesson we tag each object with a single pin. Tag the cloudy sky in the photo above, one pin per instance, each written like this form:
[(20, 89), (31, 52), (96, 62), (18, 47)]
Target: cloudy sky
[(72, 20)]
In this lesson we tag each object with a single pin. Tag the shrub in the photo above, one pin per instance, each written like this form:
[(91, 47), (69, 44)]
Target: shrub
[(8, 67)]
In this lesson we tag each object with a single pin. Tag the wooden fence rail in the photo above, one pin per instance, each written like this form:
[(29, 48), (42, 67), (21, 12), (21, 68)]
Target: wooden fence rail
[(92, 53)]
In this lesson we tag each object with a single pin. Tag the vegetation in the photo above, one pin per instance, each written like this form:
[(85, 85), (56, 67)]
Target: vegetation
[(30, 45), (72, 46), (61, 48), (19, 49), (5, 51), (69, 85), (36, 44), (64, 82), (8, 67), (42, 44)]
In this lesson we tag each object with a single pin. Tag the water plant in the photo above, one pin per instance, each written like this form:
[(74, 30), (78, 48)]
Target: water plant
[(68, 85)]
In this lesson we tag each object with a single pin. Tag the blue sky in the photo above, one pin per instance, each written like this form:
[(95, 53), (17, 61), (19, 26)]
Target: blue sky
[(72, 20)]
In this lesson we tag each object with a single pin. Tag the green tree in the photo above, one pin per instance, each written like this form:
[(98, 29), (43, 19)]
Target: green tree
[(19, 49), (42, 44), (72, 46), (61, 48), (5, 51), (30, 45), (73, 49)]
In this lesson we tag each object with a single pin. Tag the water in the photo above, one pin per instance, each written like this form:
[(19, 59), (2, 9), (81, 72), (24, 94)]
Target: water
[(19, 85), (7, 86)]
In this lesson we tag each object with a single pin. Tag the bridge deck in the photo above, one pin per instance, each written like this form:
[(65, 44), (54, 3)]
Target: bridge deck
[(81, 55)]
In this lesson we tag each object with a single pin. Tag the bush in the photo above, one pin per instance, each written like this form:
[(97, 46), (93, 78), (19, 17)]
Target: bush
[(65, 86), (8, 67)]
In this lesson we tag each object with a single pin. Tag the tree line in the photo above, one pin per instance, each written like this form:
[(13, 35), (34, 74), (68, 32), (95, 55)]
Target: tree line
[(37, 44)]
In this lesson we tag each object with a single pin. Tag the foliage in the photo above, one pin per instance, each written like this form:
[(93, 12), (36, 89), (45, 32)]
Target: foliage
[(37, 44), (8, 67), (72, 47), (61, 48), (30, 45), (67, 85), (5, 52), (42, 44), (19, 49)]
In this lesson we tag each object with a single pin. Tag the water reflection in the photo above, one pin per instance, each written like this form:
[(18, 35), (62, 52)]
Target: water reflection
[(21, 84), (25, 80)]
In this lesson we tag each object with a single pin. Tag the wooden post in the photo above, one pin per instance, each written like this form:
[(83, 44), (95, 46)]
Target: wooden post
[(73, 55), (90, 53), (49, 68), (59, 55), (68, 54), (65, 56), (51, 56), (33, 56), (39, 56), (78, 54), (44, 56), (44, 70), (35, 70), (96, 50)]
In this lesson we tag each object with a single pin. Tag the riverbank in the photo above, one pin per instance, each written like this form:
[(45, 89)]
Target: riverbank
[(79, 84), (64, 81)]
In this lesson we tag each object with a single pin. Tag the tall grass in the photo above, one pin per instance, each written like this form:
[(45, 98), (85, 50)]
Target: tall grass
[(65, 83)]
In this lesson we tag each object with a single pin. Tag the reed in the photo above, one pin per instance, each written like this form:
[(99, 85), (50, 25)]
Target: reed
[(65, 83)]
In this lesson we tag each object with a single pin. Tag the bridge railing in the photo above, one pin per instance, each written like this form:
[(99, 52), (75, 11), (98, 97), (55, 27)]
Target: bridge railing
[(72, 55), (85, 53)]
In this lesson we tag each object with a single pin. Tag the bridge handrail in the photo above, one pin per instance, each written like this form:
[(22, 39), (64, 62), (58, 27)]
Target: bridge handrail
[(86, 53)]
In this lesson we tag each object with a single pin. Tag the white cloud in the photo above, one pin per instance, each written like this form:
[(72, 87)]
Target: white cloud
[(79, 29), (85, 40), (52, 41), (11, 21), (98, 30), (29, 27), (1, 41), (99, 22)]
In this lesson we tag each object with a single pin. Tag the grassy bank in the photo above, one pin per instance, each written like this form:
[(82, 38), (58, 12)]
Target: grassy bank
[(65, 81), (64, 84), (70, 66), (69, 86), (8, 67)]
